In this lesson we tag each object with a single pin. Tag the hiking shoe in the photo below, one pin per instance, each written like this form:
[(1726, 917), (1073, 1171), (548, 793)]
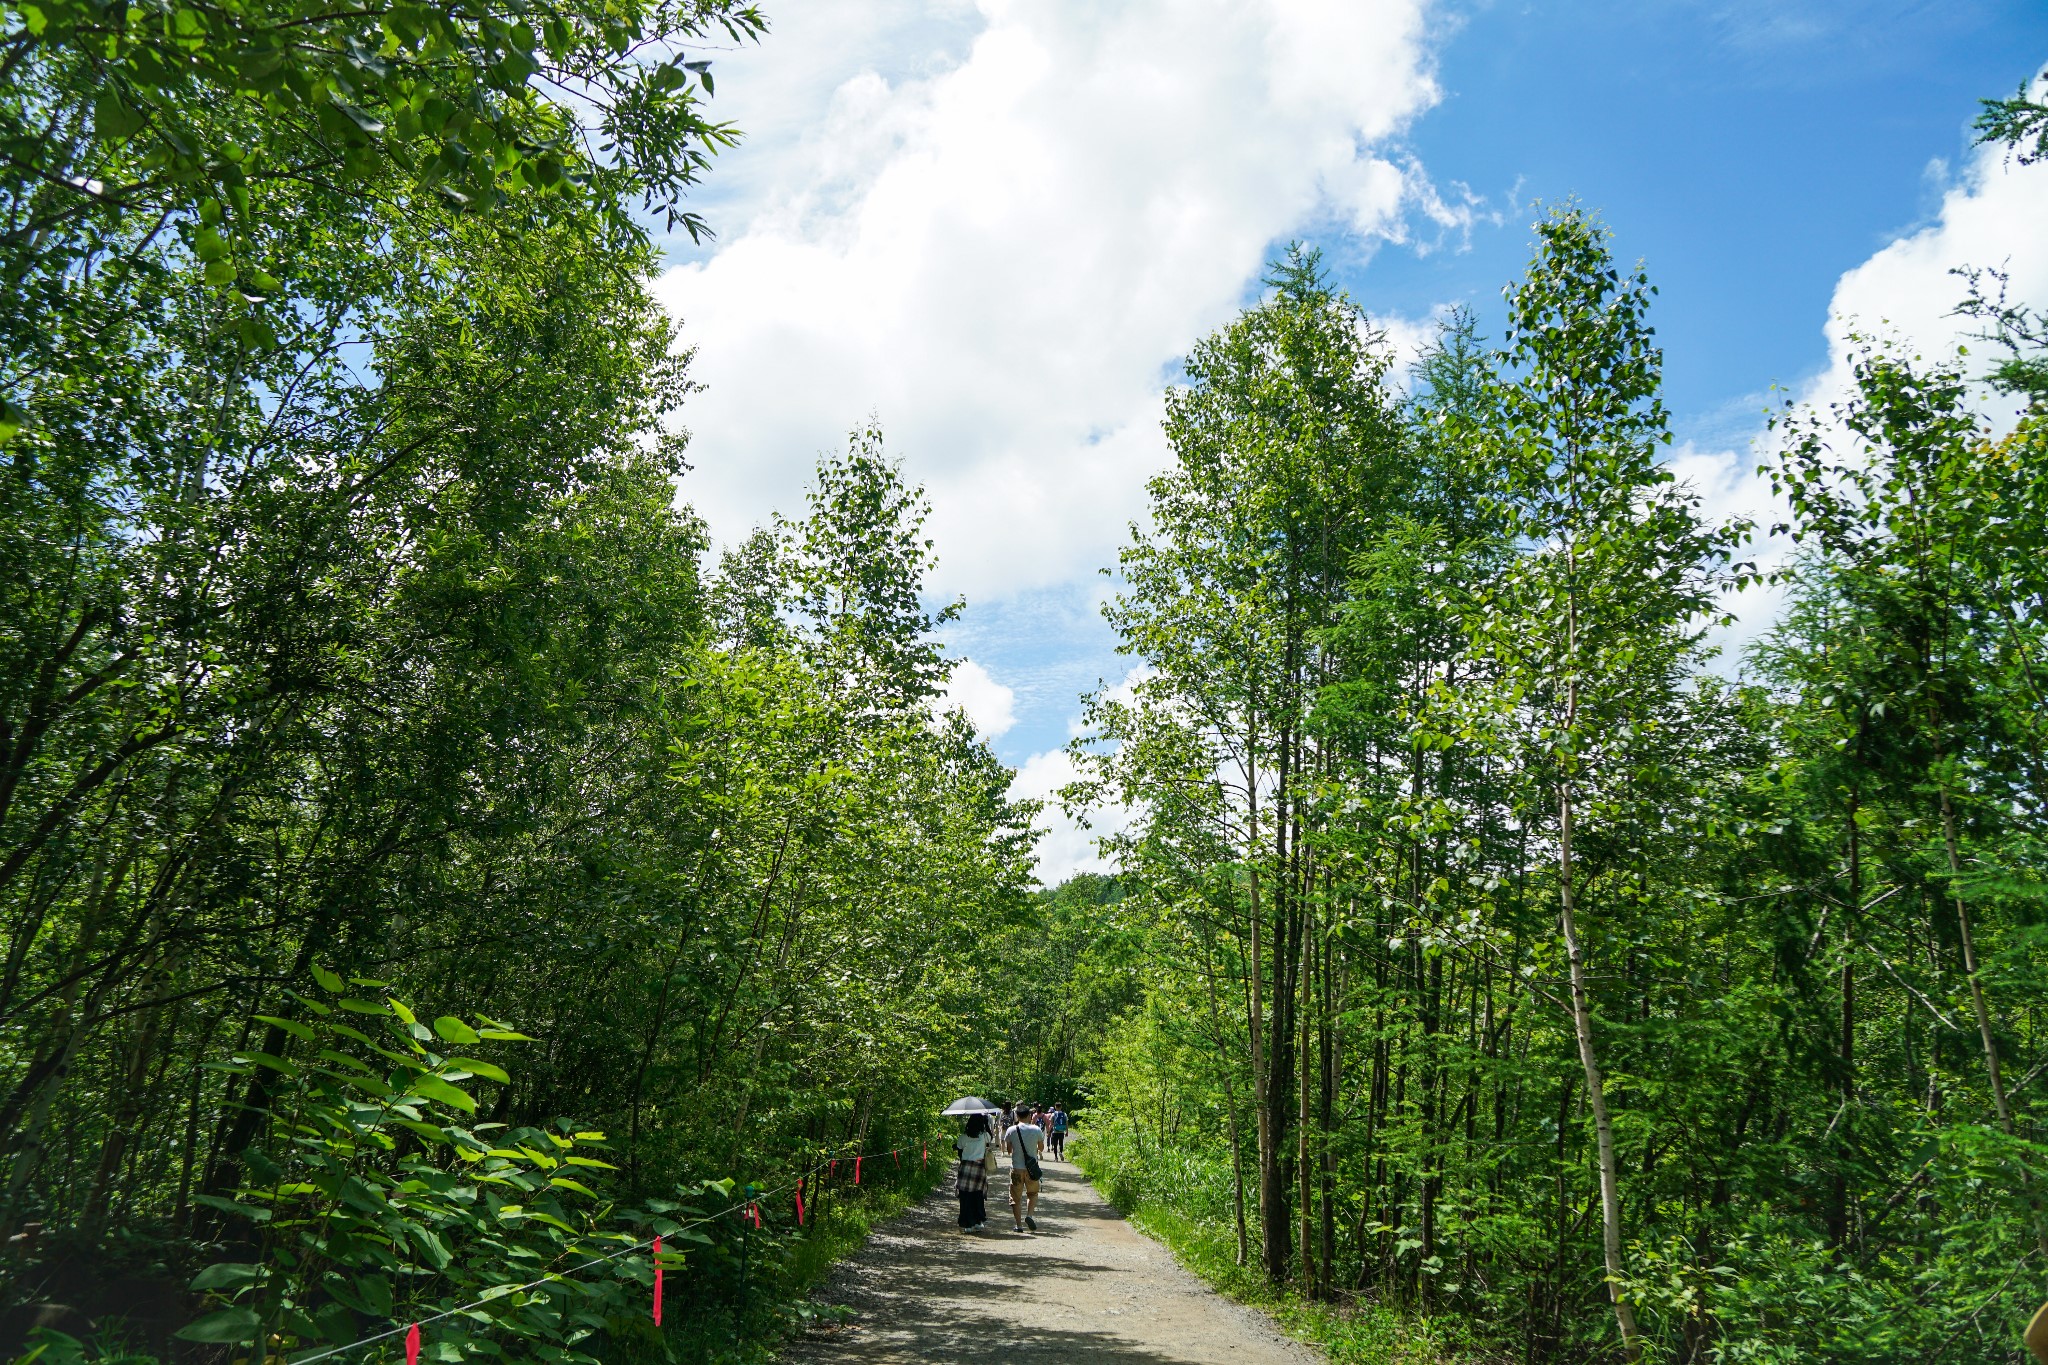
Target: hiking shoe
[(1031, 1223)]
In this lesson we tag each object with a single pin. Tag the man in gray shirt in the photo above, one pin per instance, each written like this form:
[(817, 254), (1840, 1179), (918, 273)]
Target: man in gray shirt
[(1026, 1142)]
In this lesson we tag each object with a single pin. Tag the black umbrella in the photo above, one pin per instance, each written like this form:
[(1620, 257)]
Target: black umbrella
[(971, 1104)]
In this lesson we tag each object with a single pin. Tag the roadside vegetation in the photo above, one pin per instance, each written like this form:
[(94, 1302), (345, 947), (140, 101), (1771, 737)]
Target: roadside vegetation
[(1517, 976), (428, 873)]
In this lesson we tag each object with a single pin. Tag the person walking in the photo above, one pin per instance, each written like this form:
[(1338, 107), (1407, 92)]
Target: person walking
[(970, 1182), (1027, 1144), (1058, 1132)]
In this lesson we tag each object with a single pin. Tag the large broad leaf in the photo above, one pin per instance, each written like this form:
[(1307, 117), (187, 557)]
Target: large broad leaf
[(230, 1206), (291, 1026), (483, 1069), (227, 1326), (431, 1246), (375, 1293), (227, 1275), (453, 1030), (434, 1088)]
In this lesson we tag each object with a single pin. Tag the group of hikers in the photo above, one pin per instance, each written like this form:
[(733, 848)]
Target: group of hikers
[(1019, 1131)]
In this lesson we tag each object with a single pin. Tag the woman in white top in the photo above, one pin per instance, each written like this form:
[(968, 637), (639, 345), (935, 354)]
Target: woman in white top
[(971, 1179)]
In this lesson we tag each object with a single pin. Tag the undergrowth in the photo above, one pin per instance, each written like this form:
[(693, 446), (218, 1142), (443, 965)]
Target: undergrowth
[(731, 1321)]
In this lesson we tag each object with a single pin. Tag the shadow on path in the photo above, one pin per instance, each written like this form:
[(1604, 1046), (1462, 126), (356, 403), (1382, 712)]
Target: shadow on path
[(1085, 1287)]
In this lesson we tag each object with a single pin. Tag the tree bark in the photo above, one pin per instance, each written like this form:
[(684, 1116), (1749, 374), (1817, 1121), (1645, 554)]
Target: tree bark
[(1596, 1093)]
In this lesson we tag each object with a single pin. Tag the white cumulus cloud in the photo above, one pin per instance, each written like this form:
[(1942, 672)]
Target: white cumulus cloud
[(989, 704), (1002, 247), (1991, 216), (1994, 215), (1065, 846)]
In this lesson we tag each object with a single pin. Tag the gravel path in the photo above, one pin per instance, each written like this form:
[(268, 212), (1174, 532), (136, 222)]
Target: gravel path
[(1086, 1287)]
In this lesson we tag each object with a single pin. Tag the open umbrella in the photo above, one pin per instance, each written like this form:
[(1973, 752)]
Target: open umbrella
[(971, 1104)]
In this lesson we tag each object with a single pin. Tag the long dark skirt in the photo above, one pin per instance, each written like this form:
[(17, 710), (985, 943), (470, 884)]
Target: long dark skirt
[(973, 1208), (971, 1182)]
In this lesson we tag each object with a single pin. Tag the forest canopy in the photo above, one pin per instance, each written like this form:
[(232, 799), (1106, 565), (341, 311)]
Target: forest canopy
[(358, 655), (1512, 963), (427, 868)]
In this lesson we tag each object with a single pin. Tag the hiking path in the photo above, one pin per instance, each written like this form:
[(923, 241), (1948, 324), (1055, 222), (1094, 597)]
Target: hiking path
[(1087, 1286)]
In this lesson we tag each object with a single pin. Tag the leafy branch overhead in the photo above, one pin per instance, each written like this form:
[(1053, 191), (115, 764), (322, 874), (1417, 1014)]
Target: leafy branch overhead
[(162, 107)]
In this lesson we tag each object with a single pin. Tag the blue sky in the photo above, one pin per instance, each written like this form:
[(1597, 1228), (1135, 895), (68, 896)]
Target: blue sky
[(1750, 152), (996, 225)]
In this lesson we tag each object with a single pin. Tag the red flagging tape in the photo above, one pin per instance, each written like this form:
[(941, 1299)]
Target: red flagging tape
[(799, 1201), (412, 1345), (657, 1281), (856, 1170)]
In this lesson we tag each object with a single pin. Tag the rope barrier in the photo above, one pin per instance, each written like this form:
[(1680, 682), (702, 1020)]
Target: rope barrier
[(748, 1207)]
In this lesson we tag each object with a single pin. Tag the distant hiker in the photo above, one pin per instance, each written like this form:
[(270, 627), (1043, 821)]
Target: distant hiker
[(1058, 1120), (1026, 1143), (970, 1182)]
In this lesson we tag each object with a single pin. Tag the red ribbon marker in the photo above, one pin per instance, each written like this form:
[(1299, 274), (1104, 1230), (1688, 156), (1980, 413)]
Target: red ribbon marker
[(856, 1170), (925, 1154), (833, 1174), (754, 1212), (897, 1156), (657, 1281), (412, 1345), (799, 1201)]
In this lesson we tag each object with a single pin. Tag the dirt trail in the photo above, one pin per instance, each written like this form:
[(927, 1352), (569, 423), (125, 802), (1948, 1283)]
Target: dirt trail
[(1086, 1287)]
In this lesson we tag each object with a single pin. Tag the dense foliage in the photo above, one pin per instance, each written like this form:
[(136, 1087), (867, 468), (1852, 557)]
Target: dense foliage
[(1506, 958), (1478, 951), (349, 624)]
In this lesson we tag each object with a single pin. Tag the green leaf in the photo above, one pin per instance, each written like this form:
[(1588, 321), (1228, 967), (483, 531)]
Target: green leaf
[(486, 1070), (329, 982), (374, 1291), (434, 1088), (228, 1326), (431, 1246), (113, 118), (277, 1064), (291, 1026), (230, 1206), (430, 1132), (453, 1030), (227, 1275)]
